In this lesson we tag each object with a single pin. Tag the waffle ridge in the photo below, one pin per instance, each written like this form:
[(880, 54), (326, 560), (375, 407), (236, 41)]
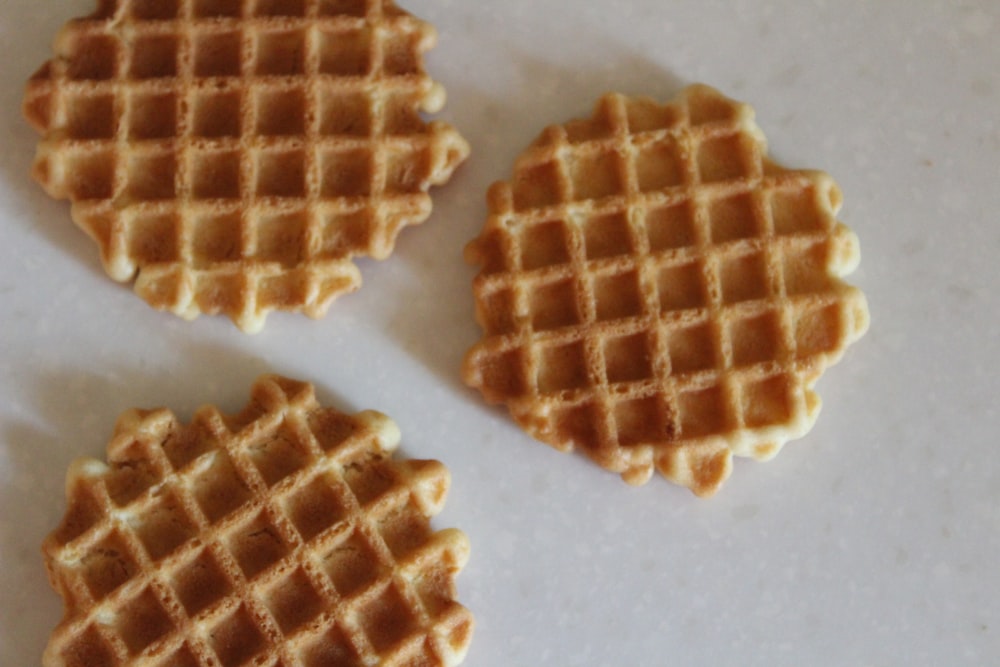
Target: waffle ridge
[(234, 156), (657, 293), (284, 535)]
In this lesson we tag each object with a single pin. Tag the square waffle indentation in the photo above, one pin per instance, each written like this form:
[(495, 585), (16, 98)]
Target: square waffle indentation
[(387, 619), (216, 114), (703, 412), (400, 115), (681, 286), (283, 238), (154, 238), (496, 311), (219, 489), (628, 359), (804, 269), (200, 583), (721, 159), (607, 236), (406, 170), (256, 546), (554, 305), (331, 428), (562, 367), (596, 176), (217, 54), (185, 445), (215, 175), (152, 115), (131, 474), (618, 296), (293, 601), (351, 565), (368, 479), (400, 55), (343, 234), (756, 339), (496, 252), (639, 421), (744, 278), (671, 227), (402, 532), (345, 52), (280, 454), (153, 56), (236, 639), (281, 173), (504, 373), (142, 621), (692, 349), (217, 238), (280, 112), (538, 187), (281, 52), (658, 166), (344, 113), (733, 218), (315, 507), (165, 527), (582, 424), (151, 176), (798, 211), (543, 244), (90, 116), (90, 175), (818, 331), (107, 566), (767, 402), (92, 58), (345, 173)]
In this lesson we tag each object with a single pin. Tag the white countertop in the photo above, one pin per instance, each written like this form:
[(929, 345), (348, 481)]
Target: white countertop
[(872, 541)]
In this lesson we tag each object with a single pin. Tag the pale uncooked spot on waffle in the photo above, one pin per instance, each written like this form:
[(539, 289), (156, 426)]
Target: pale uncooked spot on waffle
[(283, 535), (233, 156), (658, 294)]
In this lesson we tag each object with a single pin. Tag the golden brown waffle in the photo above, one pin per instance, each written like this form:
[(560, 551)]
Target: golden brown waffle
[(233, 156), (657, 293), (284, 535)]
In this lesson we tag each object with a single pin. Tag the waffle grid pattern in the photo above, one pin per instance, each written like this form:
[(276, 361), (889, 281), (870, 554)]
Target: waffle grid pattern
[(233, 156), (283, 536), (657, 293)]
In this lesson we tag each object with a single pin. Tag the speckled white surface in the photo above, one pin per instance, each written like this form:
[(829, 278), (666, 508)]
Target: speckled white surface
[(873, 541)]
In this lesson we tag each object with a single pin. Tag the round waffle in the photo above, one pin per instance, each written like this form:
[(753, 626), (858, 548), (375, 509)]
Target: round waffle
[(233, 156), (658, 294), (284, 535)]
